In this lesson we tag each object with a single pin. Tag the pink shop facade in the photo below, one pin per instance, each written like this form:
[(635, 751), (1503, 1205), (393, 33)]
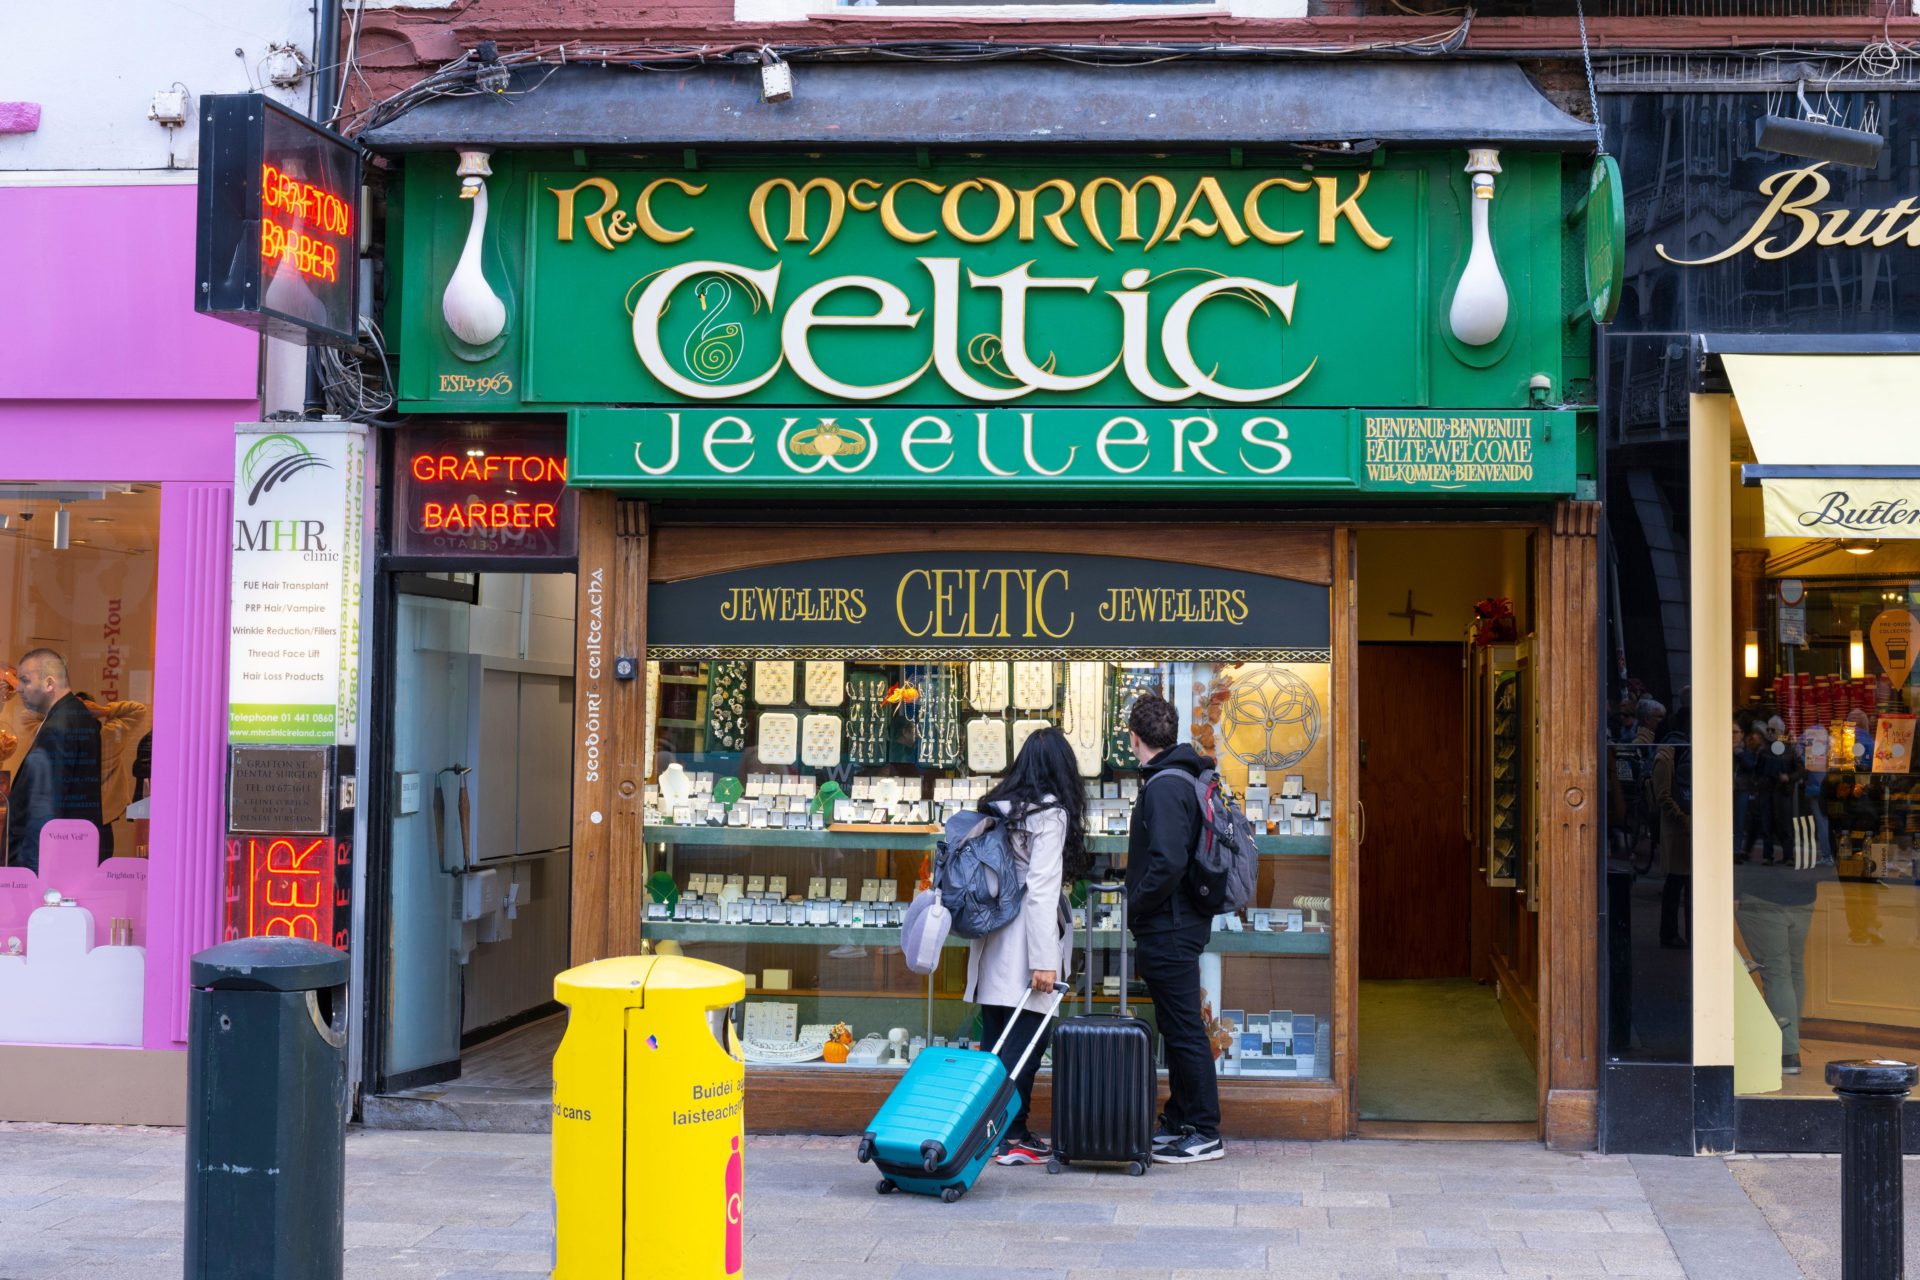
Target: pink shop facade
[(117, 413)]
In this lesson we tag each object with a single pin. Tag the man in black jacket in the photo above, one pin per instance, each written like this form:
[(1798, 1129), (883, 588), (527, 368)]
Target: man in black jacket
[(59, 777), (1169, 932)]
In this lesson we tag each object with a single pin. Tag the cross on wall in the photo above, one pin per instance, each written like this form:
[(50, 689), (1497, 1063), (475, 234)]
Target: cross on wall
[(1411, 614)]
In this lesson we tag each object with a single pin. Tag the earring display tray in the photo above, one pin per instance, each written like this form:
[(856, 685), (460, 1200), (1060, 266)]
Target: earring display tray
[(868, 718), (727, 706), (826, 684), (773, 683), (1024, 729), (779, 737), (1083, 718), (987, 686), (1033, 686), (986, 745), (819, 741)]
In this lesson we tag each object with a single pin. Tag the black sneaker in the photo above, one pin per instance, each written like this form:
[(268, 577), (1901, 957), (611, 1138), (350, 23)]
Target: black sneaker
[(1190, 1149), (1789, 1064), (1023, 1148), (1166, 1133)]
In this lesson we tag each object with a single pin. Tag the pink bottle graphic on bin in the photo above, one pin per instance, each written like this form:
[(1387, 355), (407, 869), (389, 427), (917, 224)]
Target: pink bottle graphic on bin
[(736, 1187)]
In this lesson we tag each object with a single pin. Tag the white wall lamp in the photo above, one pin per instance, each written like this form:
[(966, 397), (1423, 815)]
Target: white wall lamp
[(1751, 652), (1480, 302), (471, 308), (1856, 655)]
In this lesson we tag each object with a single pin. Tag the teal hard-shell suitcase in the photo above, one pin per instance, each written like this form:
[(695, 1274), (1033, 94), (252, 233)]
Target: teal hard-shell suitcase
[(942, 1123)]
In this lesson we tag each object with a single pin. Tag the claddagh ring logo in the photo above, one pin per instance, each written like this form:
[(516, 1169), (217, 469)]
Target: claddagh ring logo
[(272, 459)]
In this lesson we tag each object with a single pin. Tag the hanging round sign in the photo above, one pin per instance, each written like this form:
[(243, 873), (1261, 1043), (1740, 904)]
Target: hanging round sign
[(1606, 239)]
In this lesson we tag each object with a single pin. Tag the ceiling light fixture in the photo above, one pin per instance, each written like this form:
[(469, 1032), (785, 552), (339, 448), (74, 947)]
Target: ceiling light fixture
[(1860, 546)]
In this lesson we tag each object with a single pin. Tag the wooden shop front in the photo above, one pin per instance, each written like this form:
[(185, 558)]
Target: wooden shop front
[(885, 463)]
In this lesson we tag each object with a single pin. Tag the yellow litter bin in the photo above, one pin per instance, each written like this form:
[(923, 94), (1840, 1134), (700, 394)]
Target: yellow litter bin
[(648, 1121)]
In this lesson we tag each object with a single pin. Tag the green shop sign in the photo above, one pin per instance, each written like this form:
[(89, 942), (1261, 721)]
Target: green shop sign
[(1222, 451), (1105, 323)]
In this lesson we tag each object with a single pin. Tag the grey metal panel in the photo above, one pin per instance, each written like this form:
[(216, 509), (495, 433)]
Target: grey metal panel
[(1190, 103)]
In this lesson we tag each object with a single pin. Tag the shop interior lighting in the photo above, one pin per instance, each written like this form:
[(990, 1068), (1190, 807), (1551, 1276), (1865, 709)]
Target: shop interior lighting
[(6, 522), (1856, 655), (1860, 546), (62, 526), (1751, 651), (1813, 136)]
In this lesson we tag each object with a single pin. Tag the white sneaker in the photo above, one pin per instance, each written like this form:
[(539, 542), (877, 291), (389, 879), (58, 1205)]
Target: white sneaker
[(1190, 1149)]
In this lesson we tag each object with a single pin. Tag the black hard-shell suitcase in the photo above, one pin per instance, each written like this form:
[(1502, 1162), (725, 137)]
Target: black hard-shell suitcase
[(1104, 1085)]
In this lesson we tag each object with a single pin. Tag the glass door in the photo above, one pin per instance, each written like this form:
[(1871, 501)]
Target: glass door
[(431, 838)]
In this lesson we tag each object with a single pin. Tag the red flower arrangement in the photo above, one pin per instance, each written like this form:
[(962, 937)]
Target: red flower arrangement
[(1494, 623)]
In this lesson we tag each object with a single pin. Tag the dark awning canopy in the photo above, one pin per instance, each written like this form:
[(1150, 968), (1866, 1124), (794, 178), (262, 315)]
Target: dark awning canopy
[(1190, 103)]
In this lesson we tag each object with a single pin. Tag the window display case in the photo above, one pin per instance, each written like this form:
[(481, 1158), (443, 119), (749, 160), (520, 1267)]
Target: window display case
[(1500, 722), (796, 803)]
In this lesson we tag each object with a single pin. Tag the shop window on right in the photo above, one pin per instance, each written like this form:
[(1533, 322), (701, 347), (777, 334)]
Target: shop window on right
[(1826, 806)]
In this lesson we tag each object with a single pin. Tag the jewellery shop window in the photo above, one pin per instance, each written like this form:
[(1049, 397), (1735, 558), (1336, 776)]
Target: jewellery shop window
[(1826, 813), (796, 799), (77, 576)]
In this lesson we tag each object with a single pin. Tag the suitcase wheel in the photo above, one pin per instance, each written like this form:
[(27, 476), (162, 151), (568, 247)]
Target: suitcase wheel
[(865, 1154), (952, 1194), (1137, 1168), (884, 1187), (1054, 1165), (932, 1155)]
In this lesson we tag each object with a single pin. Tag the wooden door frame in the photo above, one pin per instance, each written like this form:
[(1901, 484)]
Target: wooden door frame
[(1566, 772), (621, 551)]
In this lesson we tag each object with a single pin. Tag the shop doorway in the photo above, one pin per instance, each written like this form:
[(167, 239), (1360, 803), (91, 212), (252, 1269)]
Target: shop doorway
[(1437, 929), (479, 819)]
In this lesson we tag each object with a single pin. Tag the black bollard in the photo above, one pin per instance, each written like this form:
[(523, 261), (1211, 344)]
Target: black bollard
[(267, 1112), (1871, 1091)]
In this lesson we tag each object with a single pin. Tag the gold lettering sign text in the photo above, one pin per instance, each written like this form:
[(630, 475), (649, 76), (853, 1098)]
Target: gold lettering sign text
[(981, 210), (1792, 195)]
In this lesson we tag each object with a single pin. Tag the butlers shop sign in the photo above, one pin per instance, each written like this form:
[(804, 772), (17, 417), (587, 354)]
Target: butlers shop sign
[(991, 328)]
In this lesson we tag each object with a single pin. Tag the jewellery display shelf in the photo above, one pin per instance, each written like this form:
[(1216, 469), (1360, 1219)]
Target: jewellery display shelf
[(1501, 753), (744, 843)]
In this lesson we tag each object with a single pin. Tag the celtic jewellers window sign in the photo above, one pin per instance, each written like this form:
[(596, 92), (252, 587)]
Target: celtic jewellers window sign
[(1225, 451), (1272, 325), (1050, 606)]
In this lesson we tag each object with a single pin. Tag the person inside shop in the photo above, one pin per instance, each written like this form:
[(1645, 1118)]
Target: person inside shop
[(1044, 806), (124, 726), (59, 774), (1672, 787), (1773, 905), (1169, 931)]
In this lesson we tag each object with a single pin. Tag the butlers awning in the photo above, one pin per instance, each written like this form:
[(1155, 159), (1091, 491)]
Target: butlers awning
[(1836, 442)]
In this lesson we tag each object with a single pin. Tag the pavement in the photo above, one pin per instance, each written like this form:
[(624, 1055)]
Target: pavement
[(107, 1204)]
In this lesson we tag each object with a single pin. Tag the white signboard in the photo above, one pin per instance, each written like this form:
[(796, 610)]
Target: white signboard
[(1842, 508), (299, 522)]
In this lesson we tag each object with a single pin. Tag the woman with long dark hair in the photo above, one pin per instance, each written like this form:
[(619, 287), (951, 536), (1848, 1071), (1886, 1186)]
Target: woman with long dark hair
[(1043, 806)]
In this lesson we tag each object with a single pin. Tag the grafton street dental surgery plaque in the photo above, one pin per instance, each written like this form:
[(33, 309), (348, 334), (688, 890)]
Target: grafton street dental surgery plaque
[(1047, 606), (279, 789), (298, 525), (1226, 451)]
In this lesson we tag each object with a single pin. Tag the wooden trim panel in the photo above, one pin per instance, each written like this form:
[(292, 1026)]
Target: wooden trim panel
[(1343, 713), (688, 551), (789, 1100), (1569, 772)]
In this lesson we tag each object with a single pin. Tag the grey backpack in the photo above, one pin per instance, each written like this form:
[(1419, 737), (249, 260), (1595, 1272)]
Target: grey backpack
[(976, 876)]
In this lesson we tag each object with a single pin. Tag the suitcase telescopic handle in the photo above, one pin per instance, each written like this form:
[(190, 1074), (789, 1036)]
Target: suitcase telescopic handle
[(1109, 886), (1039, 1035)]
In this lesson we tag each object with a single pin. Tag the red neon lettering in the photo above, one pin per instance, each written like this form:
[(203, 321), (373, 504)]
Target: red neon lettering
[(422, 467), (308, 256), (318, 208)]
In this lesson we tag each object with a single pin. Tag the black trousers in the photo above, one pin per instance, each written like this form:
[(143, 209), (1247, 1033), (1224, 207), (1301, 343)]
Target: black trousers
[(1170, 966), (993, 1020)]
